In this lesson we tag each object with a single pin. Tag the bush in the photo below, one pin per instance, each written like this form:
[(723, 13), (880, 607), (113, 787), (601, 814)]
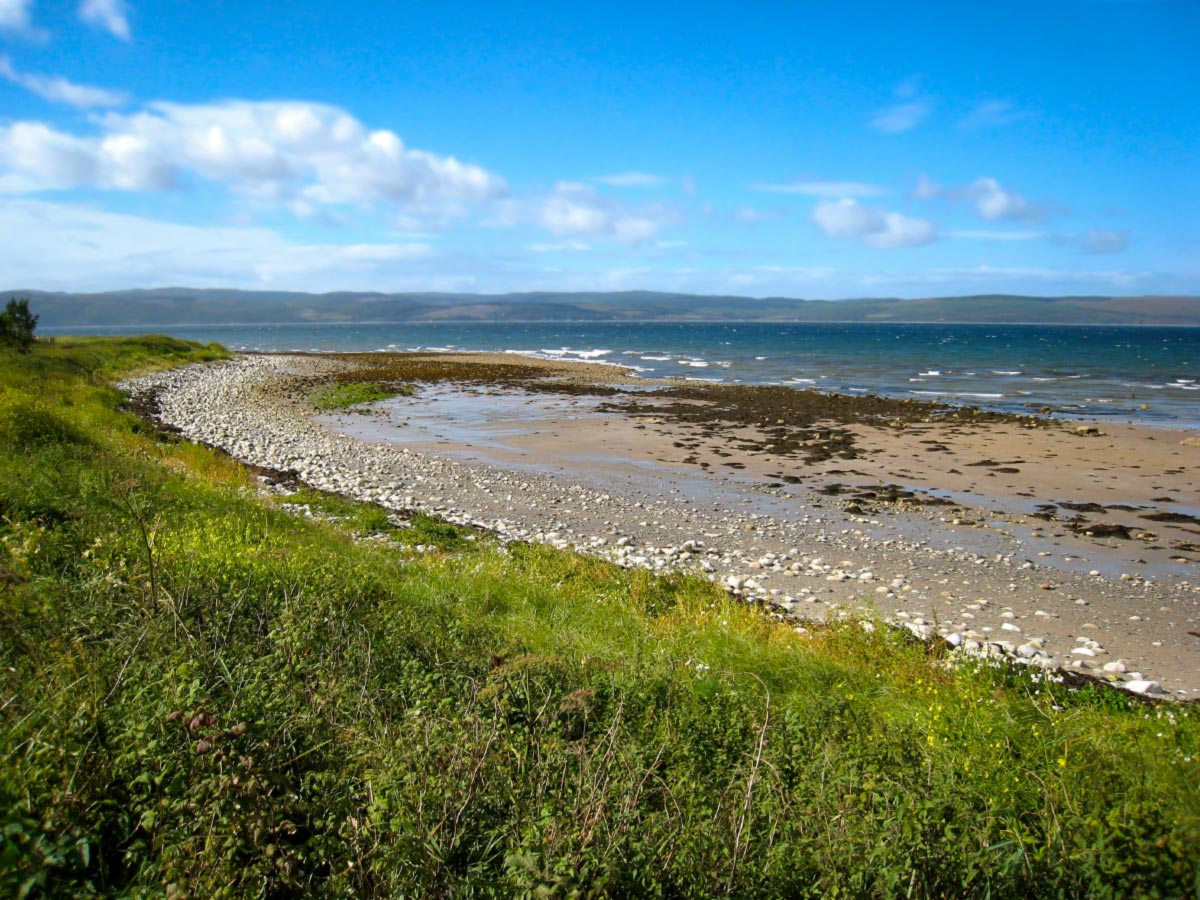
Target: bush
[(16, 326)]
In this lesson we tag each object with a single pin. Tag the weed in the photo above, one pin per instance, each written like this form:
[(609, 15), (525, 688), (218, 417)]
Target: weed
[(341, 395)]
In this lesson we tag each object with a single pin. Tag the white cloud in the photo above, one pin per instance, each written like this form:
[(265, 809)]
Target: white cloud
[(36, 157), (996, 202), (70, 246), (991, 199), (993, 114), (631, 179), (822, 188), (14, 15), (577, 209), (901, 116), (301, 156), (110, 15), (573, 246), (60, 90), (905, 115), (847, 218)]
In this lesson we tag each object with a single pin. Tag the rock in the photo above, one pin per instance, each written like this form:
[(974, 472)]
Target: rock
[(1088, 431), (1144, 687)]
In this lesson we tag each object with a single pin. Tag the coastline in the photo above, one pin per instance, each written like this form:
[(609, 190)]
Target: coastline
[(591, 458)]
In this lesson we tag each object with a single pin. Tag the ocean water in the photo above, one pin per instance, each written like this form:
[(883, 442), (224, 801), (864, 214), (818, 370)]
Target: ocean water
[(1148, 375)]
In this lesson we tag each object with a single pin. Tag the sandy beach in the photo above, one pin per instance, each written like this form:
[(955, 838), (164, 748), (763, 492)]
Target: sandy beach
[(1060, 543)]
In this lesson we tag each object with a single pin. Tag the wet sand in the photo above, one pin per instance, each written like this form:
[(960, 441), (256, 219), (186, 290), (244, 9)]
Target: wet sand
[(1071, 535)]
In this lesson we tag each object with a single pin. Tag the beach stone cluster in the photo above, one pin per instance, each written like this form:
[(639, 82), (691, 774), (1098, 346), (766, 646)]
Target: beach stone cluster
[(812, 563)]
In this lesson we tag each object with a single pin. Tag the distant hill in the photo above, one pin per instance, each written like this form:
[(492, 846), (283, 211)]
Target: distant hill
[(163, 307)]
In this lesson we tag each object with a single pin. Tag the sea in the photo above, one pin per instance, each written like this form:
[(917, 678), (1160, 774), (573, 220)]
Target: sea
[(1145, 375)]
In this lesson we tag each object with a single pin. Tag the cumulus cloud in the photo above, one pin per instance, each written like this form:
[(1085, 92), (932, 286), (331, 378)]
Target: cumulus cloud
[(60, 90), (996, 202), (574, 209), (109, 15), (303, 156), (632, 179), (822, 188), (36, 157), (847, 218), (991, 199)]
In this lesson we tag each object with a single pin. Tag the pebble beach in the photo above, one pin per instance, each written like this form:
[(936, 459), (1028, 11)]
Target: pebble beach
[(1068, 547)]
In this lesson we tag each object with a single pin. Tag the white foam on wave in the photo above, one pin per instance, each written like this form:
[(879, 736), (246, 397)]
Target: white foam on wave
[(970, 395), (648, 358), (1006, 371), (563, 352)]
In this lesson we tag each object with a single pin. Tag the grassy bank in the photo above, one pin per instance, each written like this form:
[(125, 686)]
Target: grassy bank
[(205, 694)]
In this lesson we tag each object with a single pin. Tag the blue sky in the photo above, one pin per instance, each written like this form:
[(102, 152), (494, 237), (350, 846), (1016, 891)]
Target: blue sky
[(802, 149)]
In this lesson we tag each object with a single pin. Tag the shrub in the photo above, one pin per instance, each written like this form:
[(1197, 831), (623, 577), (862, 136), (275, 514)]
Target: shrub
[(16, 326)]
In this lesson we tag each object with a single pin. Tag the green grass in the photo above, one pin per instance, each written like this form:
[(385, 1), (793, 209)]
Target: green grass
[(202, 695), (340, 395)]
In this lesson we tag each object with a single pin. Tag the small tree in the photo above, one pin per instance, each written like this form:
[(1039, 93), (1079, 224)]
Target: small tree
[(16, 326)]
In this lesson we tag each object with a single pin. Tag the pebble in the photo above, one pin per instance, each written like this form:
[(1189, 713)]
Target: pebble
[(1143, 687), (224, 405)]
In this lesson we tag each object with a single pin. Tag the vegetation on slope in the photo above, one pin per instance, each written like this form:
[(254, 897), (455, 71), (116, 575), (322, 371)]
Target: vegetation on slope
[(204, 694)]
